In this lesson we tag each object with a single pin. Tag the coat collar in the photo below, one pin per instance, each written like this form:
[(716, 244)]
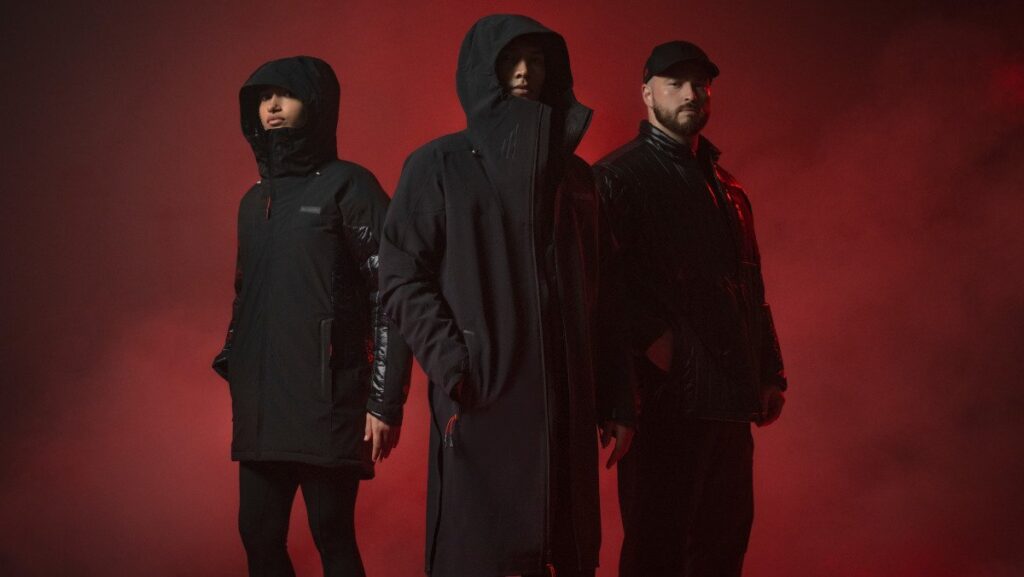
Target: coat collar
[(666, 144)]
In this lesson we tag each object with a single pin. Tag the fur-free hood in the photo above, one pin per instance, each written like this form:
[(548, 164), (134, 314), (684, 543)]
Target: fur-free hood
[(486, 102), (293, 150)]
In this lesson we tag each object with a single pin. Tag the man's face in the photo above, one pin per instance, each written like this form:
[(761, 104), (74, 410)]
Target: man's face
[(279, 108), (680, 98), (520, 67)]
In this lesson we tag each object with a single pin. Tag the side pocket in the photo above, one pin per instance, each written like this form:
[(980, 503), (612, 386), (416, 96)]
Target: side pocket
[(473, 387), (326, 355)]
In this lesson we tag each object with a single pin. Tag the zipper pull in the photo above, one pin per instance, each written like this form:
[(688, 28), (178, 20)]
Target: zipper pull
[(551, 570), (449, 431), (266, 209)]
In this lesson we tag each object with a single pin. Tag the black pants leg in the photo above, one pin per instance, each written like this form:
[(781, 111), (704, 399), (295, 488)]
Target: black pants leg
[(686, 495), (330, 496), (267, 491)]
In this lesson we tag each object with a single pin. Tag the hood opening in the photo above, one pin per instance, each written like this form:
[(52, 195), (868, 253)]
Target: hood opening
[(479, 88), (301, 149)]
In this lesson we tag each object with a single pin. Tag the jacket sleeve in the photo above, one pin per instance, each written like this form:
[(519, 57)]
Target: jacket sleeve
[(220, 362), (772, 370), (363, 208), (412, 251), (643, 318), (615, 386)]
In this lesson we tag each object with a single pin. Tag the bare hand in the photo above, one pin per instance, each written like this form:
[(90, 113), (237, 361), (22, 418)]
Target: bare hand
[(772, 400), (660, 352), (383, 435), (623, 435)]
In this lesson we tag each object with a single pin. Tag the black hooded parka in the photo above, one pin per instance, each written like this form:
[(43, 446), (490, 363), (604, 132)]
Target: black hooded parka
[(308, 350), (493, 265)]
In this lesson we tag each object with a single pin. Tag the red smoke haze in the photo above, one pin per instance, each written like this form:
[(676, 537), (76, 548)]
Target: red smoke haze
[(882, 144)]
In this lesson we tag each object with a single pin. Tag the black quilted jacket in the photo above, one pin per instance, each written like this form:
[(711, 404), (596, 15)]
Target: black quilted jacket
[(692, 266)]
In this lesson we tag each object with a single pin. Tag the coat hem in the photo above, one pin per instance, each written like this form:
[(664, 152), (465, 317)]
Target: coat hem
[(364, 469)]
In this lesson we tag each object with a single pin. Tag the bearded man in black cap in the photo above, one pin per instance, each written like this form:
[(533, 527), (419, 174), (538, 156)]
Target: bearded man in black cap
[(704, 345), (494, 265)]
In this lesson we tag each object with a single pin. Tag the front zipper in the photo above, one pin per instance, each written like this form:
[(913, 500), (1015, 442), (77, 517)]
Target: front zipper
[(571, 401), (265, 360), (543, 359)]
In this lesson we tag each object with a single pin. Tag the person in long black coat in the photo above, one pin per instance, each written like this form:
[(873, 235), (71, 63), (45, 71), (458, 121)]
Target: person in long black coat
[(495, 265), (317, 377)]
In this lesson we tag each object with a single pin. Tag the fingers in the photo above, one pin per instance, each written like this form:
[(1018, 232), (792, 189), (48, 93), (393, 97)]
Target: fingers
[(772, 411), (385, 445), (384, 438), (396, 432), (617, 453), (376, 432), (606, 435), (623, 439), (775, 411), (377, 444)]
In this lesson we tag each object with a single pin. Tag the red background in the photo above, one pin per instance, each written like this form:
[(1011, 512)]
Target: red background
[(882, 144)]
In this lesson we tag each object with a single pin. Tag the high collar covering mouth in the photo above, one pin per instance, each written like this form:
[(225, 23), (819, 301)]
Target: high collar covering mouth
[(301, 149), (480, 90)]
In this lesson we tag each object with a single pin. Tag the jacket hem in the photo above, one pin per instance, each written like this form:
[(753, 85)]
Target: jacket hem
[(363, 468)]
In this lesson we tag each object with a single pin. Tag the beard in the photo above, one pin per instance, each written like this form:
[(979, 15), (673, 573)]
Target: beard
[(689, 127)]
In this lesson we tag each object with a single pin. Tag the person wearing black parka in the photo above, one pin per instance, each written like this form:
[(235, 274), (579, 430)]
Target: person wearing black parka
[(318, 378), (496, 267)]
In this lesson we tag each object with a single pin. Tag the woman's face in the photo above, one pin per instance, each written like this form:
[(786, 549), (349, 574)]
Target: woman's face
[(279, 108)]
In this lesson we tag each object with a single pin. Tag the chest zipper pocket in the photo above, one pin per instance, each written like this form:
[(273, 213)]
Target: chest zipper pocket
[(326, 356)]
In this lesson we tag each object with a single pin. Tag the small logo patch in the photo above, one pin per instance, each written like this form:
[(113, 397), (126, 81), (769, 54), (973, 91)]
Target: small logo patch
[(310, 209)]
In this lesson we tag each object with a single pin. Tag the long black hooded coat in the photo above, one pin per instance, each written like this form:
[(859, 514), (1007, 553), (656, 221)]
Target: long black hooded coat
[(462, 274), (308, 351)]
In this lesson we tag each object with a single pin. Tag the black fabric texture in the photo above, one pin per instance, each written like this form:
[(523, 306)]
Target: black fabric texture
[(309, 351), (494, 235), (686, 497), (691, 263), (266, 493), (692, 267)]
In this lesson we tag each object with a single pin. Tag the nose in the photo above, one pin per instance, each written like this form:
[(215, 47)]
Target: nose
[(688, 91), (521, 70), (275, 103)]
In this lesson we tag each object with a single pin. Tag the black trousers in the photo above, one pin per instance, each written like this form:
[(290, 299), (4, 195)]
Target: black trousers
[(267, 491), (686, 496)]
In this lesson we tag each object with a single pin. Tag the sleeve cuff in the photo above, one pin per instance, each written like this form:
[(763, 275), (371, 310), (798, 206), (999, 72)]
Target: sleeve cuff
[(390, 416)]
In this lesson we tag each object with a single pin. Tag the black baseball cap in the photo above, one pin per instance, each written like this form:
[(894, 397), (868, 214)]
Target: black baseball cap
[(666, 55)]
